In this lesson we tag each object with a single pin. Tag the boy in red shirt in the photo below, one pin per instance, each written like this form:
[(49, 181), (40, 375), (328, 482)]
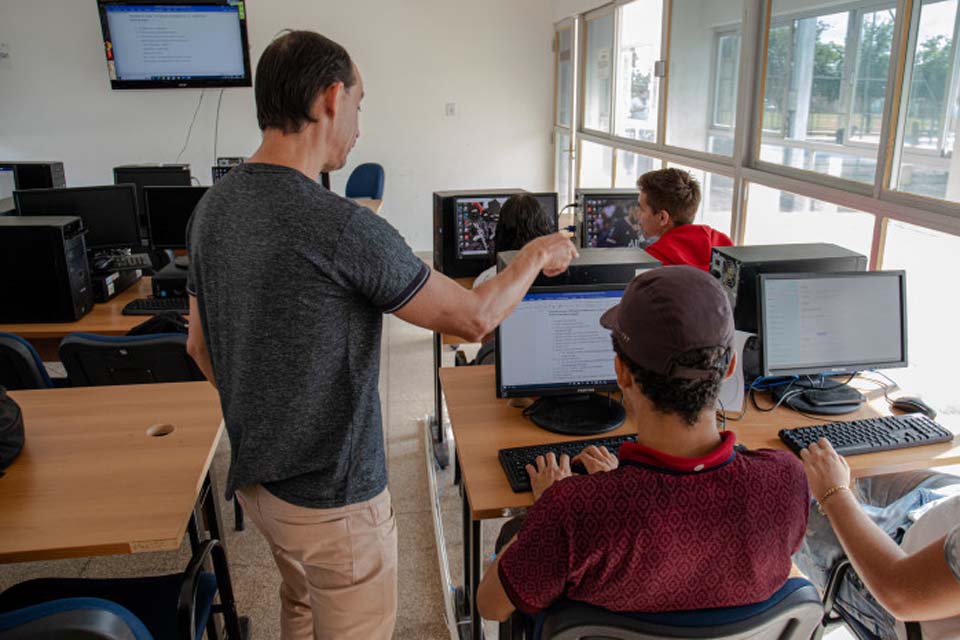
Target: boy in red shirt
[(681, 520), (668, 204)]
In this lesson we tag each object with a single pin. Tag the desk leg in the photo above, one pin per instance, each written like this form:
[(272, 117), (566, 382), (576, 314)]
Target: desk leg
[(472, 545), (210, 508), (440, 451)]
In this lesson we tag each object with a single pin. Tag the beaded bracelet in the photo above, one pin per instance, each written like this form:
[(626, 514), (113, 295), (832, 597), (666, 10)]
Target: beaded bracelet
[(830, 492)]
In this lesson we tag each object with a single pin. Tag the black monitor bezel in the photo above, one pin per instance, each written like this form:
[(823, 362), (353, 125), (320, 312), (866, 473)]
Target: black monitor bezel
[(581, 197), (829, 368), (146, 203), (246, 81), (554, 390)]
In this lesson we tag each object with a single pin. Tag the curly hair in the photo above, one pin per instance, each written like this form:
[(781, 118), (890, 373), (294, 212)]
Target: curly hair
[(686, 398), (674, 191), (521, 220)]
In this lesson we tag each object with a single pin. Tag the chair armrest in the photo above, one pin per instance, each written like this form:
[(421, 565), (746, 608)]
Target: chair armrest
[(187, 603), (82, 618)]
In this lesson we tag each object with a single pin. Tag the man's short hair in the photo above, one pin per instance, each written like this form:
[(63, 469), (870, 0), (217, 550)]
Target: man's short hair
[(293, 70), (521, 220), (679, 396), (674, 191)]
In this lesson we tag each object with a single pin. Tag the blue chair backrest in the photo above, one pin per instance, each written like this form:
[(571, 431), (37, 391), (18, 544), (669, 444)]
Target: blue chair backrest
[(20, 364), (792, 613), (94, 360), (89, 618), (366, 181)]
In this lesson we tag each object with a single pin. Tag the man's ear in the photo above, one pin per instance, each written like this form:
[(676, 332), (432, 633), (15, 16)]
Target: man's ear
[(329, 100), (624, 377), (664, 217), (732, 367)]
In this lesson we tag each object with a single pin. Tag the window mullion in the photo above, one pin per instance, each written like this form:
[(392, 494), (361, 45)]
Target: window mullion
[(898, 86)]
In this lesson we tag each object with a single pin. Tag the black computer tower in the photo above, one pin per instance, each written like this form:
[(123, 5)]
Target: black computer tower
[(445, 257), (37, 174), (594, 266), (151, 175), (737, 269), (45, 278)]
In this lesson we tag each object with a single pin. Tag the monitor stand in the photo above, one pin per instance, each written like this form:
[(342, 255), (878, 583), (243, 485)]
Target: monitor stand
[(821, 396), (577, 414)]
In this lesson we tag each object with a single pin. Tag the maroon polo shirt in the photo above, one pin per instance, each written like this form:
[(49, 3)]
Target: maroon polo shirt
[(663, 533)]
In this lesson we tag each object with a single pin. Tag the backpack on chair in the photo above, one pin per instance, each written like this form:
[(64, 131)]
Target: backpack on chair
[(11, 430)]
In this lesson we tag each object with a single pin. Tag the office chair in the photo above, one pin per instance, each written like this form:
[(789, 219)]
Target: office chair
[(172, 607), (92, 360), (835, 614), (366, 181), (792, 613), (20, 365), (81, 618)]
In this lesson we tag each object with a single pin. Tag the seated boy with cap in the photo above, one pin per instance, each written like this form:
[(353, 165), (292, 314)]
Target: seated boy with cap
[(682, 520), (668, 203)]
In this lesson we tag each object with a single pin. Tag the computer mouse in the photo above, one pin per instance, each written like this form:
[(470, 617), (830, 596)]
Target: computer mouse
[(913, 404)]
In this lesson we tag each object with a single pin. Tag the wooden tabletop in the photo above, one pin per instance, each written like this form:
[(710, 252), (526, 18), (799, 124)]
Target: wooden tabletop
[(483, 424), (370, 203), (105, 318), (91, 481)]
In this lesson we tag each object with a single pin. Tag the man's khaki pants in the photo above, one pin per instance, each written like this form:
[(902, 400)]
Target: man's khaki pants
[(339, 566)]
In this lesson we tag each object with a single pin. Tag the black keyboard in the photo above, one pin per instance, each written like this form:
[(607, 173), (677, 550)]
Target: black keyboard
[(514, 461), (869, 435), (153, 306)]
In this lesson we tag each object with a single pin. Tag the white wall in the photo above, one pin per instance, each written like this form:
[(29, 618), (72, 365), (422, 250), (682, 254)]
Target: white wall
[(492, 58)]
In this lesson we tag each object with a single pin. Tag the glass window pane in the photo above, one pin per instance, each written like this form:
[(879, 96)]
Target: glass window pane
[(638, 89), (781, 217), (704, 72), (932, 310), (564, 76), (596, 165), (927, 140), (631, 166), (563, 167), (825, 89), (598, 73), (716, 198)]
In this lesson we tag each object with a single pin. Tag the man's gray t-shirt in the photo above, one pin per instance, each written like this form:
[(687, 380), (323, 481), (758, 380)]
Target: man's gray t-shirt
[(291, 282)]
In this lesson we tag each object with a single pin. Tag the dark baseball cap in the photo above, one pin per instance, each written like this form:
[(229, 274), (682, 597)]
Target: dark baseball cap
[(668, 311)]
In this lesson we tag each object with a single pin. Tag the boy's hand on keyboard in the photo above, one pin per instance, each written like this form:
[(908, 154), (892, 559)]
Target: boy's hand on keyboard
[(596, 459), (546, 472), (825, 468)]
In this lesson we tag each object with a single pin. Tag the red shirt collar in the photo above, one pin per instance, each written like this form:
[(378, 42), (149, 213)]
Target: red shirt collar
[(640, 454)]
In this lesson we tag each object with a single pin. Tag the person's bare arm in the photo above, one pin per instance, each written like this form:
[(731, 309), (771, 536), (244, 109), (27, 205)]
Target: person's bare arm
[(196, 344), (492, 600), (443, 305), (916, 587)]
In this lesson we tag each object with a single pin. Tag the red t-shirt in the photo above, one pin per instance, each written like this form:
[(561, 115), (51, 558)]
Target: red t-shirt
[(662, 533), (690, 244)]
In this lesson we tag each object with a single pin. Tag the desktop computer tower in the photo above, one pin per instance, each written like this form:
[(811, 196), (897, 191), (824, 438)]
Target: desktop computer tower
[(37, 174), (737, 269), (594, 266), (446, 258), (45, 273)]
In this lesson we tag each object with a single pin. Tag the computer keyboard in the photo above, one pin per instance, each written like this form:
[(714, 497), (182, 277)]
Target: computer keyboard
[(515, 460), (135, 261), (153, 306), (869, 435)]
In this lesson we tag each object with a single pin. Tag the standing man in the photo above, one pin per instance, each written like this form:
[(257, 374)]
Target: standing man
[(289, 283)]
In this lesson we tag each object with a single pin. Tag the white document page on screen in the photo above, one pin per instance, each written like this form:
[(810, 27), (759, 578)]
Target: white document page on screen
[(6, 183), (832, 321), (176, 43), (556, 339)]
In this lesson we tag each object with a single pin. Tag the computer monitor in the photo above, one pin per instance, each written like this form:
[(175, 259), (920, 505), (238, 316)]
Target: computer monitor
[(168, 212), (609, 218), (553, 345), (187, 43), (109, 213), (832, 323), (8, 182), (548, 200), (477, 218)]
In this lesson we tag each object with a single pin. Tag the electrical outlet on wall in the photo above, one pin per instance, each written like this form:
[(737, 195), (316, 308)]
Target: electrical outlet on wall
[(5, 59)]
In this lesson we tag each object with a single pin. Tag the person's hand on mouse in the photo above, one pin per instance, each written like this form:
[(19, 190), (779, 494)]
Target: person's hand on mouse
[(547, 471), (596, 459)]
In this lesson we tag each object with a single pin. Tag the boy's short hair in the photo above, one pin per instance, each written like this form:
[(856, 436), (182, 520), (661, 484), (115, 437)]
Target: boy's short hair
[(674, 191), (293, 70)]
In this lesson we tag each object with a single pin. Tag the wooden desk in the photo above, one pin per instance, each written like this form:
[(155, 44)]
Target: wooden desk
[(88, 461), (370, 203), (105, 318), (483, 424)]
